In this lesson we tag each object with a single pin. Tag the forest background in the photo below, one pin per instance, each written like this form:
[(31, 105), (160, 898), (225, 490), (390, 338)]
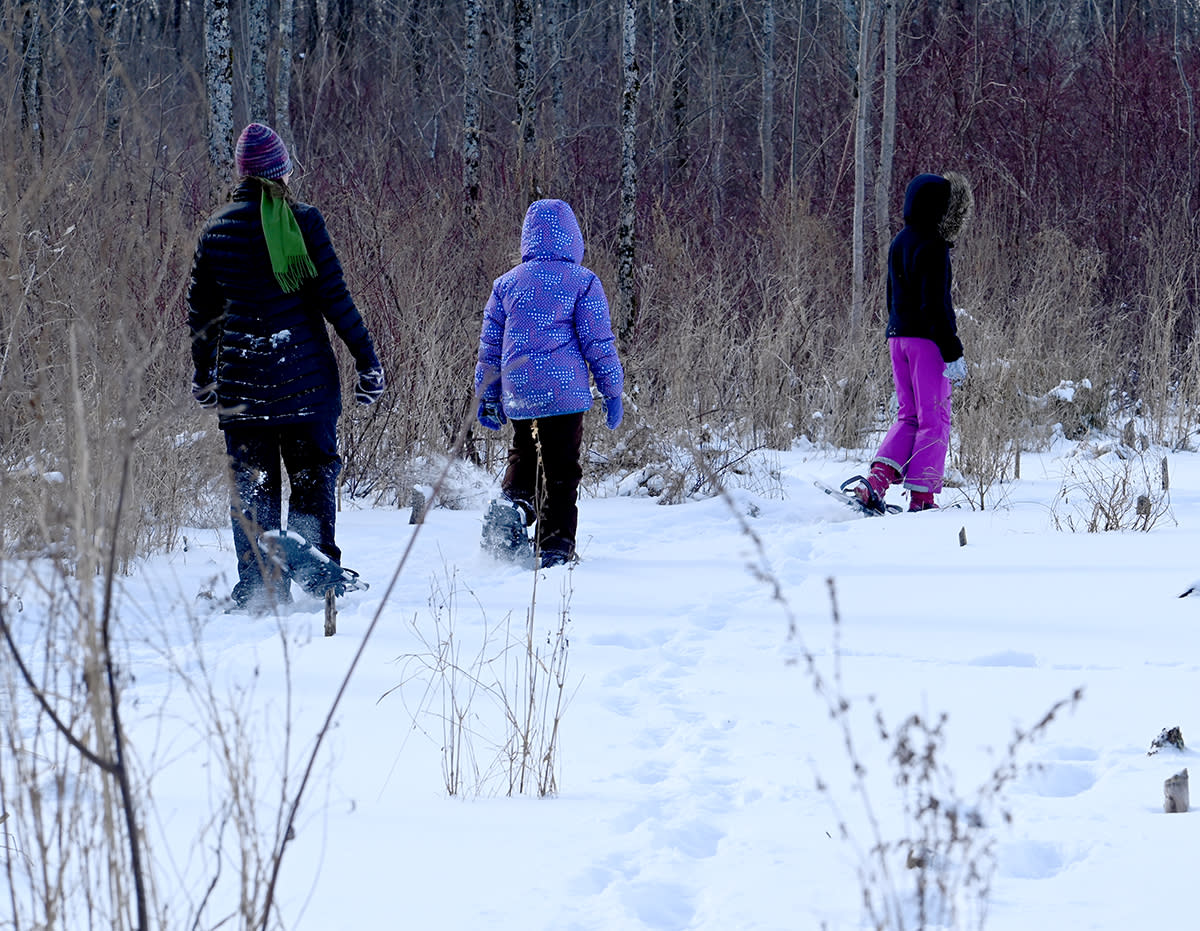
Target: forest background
[(738, 169)]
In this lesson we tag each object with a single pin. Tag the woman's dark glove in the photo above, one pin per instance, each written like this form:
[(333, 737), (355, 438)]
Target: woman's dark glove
[(370, 386), (204, 390)]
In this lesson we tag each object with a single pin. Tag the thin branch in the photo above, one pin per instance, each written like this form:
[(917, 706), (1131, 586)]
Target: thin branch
[(106, 765)]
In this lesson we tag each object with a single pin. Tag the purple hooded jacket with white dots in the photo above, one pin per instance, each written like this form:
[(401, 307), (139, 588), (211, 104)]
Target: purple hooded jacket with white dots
[(546, 324)]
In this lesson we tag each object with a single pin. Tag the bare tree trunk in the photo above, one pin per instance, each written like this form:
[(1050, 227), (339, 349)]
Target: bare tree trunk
[(680, 84), (1191, 113), (471, 95), (801, 57), (343, 25), (112, 17), (257, 28), (626, 221), (556, 14), (887, 131), (32, 76), (766, 121), (716, 37), (283, 75), (524, 76), (862, 128), (218, 83)]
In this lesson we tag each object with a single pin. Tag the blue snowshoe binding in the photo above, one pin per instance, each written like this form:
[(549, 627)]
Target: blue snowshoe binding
[(307, 566), (505, 535)]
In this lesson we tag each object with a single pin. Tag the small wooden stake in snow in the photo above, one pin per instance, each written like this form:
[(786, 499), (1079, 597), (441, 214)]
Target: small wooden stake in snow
[(962, 536), (1175, 793), (330, 613)]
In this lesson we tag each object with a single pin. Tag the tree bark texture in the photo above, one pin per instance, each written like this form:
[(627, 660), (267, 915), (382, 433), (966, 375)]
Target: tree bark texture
[(32, 77), (218, 83), (627, 212), (112, 17), (285, 38), (681, 65), (471, 95), (887, 133), (524, 76), (862, 129), (258, 23), (766, 121)]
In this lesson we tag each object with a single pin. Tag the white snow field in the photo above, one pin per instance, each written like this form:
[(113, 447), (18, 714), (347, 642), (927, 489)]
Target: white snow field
[(701, 780)]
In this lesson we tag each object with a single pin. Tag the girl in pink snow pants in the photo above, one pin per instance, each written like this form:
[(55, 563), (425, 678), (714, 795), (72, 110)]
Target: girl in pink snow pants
[(927, 355)]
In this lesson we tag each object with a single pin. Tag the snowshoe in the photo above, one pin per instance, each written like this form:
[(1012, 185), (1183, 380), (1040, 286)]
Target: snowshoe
[(861, 505), (307, 566), (504, 534)]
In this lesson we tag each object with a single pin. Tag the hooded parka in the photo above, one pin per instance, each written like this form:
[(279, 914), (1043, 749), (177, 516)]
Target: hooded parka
[(919, 278), (546, 324)]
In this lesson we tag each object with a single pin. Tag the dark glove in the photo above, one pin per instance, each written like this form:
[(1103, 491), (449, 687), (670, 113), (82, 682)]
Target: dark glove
[(614, 410), (956, 371), (370, 386), (491, 415), (205, 392)]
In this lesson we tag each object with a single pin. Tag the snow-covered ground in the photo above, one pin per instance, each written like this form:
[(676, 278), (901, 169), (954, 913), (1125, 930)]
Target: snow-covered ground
[(702, 782)]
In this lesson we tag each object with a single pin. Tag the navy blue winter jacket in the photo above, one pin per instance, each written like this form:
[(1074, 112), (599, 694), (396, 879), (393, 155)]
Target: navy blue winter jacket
[(267, 351), (918, 285)]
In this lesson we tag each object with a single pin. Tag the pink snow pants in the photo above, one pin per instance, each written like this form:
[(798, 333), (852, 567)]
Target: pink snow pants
[(916, 444)]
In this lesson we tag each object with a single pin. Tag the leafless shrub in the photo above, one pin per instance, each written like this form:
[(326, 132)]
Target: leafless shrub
[(1108, 486), (498, 708)]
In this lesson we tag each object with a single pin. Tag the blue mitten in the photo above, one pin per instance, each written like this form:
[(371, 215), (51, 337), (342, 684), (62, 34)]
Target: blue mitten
[(491, 415), (956, 371), (370, 386), (614, 410)]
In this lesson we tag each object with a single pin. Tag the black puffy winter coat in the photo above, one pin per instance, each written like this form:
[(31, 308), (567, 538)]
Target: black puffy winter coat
[(918, 285), (267, 351)]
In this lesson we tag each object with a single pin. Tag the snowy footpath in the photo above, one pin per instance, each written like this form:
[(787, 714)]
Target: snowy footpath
[(701, 780)]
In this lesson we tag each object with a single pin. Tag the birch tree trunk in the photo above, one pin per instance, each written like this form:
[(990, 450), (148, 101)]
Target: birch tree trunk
[(524, 76), (32, 76), (257, 29), (887, 132), (862, 127), (626, 221), (218, 83), (285, 36), (556, 14), (766, 120), (471, 95)]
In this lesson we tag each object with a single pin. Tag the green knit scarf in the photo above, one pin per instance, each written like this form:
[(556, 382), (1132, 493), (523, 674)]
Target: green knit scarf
[(285, 243)]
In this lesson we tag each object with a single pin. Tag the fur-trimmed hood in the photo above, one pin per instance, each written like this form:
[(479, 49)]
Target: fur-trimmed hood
[(941, 203), (959, 207)]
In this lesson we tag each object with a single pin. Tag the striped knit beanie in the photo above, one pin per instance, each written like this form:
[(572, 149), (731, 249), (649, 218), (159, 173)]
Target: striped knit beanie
[(261, 153)]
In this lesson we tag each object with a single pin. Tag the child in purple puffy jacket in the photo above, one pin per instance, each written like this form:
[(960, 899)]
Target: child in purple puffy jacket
[(545, 326)]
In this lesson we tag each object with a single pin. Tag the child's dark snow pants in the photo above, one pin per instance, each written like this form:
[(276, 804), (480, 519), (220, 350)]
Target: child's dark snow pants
[(544, 469)]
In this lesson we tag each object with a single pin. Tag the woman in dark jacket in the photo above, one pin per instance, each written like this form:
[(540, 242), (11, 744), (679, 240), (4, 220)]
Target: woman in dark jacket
[(265, 282), (927, 355)]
